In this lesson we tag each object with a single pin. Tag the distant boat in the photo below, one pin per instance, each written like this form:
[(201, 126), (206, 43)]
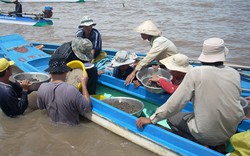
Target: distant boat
[(25, 20), (46, 1)]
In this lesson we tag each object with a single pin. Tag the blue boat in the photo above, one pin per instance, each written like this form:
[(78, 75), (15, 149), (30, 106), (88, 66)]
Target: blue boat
[(153, 137), (25, 20)]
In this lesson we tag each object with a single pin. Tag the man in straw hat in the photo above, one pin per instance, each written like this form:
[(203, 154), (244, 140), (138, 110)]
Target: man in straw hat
[(86, 30), (63, 102), (80, 49), (178, 65), (215, 92), (161, 47), (14, 98)]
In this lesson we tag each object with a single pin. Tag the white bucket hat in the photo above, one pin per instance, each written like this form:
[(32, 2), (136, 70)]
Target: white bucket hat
[(149, 28), (177, 62), (86, 21), (213, 50), (123, 58)]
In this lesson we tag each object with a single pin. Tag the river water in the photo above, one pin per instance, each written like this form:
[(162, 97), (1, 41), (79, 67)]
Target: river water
[(186, 22)]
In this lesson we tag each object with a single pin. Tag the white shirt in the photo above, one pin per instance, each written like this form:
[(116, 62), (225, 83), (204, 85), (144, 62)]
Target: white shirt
[(215, 93), (161, 48)]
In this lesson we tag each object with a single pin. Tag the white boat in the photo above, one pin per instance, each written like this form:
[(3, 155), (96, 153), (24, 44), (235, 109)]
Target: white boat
[(25, 21)]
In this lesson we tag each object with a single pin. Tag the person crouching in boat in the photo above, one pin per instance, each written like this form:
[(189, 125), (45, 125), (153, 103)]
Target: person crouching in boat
[(215, 93), (14, 98), (161, 47), (18, 9), (63, 102), (121, 64), (80, 49), (178, 65)]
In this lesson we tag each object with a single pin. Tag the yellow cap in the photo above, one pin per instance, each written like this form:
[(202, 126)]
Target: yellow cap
[(4, 64)]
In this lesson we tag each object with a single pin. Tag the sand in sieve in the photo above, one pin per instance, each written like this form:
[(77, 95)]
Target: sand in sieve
[(74, 77)]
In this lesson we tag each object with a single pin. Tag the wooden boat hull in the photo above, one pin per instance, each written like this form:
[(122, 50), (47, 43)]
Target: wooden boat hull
[(152, 137), (24, 21), (45, 1)]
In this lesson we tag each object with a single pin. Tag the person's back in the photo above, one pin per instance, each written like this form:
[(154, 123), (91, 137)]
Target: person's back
[(217, 91), (62, 102)]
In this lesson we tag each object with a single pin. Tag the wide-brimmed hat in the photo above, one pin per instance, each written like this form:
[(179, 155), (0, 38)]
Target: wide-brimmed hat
[(57, 65), (149, 28), (4, 64), (82, 48), (177, 62), (213, 50), (123, 58), (86, 21)]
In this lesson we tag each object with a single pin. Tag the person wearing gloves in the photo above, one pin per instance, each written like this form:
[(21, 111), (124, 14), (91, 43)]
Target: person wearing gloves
[(161, 47), (214, 90)]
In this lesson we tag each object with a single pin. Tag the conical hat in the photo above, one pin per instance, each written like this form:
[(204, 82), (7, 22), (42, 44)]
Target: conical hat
[(149, 28)]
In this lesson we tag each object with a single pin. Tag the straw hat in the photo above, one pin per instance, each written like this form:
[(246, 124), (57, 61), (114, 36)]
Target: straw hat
[(86, 21), (177, 62), (213, 50), (4, 64), (123, 58), (149, 28)]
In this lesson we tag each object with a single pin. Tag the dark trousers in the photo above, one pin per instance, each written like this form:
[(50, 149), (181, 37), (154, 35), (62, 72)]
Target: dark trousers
[(92, 81)]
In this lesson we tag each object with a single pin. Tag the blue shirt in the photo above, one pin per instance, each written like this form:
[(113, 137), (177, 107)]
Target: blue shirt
[(13, 101), (95, 38)]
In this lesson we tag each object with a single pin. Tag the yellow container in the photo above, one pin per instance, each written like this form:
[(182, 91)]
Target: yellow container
[(98, 97), (77, 64)]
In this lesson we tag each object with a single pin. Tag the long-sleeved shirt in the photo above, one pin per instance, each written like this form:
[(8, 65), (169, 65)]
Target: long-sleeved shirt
[(161, 48), (168, 86), (13, 101), (95, 38), (215, 94)]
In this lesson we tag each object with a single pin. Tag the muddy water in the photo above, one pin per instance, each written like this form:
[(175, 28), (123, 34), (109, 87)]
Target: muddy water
[(186, 22)]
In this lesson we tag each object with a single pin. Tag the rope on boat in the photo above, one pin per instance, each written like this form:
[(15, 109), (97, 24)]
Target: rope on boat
[(103, 63)]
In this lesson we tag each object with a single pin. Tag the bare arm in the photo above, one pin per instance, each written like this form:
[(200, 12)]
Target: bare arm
[(85, 93)]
